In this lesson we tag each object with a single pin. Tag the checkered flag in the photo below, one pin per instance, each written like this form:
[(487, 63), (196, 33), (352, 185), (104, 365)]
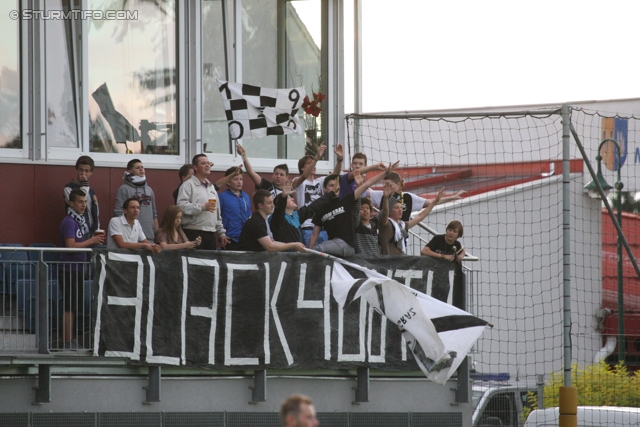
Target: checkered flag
[(256, 112)]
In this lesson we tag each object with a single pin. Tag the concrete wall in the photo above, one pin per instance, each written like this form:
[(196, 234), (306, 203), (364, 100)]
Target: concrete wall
[(112, 393)]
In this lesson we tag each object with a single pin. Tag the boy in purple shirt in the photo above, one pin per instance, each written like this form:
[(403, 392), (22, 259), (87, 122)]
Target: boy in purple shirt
[(358, 162), (74, 232)]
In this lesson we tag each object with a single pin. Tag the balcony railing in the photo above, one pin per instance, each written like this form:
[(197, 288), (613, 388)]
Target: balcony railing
[(34, 317)]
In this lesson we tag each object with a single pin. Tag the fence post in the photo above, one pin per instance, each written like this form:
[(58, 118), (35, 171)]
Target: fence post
[(43, 389), (42, 305), (259, 387), (153, 388), (362, 386)]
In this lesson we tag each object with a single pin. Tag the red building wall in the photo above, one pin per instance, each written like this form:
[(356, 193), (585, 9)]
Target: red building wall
[(31, 204), (631, 282)]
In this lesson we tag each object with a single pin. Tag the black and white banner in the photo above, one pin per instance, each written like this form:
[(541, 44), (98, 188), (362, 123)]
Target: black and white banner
[(256, 112), (229, 310), (438, 334)]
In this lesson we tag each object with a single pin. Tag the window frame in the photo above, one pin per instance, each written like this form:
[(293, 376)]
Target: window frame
[(33, 86)]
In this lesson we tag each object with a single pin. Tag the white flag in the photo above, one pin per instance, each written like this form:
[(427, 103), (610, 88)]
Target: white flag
[(438, 334), (256, 112)]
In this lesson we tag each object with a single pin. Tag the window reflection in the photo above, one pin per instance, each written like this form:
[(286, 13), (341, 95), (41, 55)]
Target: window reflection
[(304, 68), (215, 136), (62, 125), (260, 61), (133, 79), (260, 65), (9, 77)]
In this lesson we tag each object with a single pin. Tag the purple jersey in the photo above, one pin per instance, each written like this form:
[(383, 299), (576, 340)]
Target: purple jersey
[(346, 187), (70, 228)]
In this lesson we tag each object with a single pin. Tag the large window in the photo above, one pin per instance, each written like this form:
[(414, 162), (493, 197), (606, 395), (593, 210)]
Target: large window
[(295, 63), (303, 67), (215, 135), (112, 77), (10, 105), (132, 86), (62, 75)]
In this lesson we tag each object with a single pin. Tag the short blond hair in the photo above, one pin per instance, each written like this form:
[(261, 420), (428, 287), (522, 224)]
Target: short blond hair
[(291, 406)]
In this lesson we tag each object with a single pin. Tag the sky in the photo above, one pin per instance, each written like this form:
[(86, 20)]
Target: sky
[(427, 55)]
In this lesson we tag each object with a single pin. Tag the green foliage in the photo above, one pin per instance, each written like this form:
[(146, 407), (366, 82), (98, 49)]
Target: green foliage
[(598, 385), (630, 201)]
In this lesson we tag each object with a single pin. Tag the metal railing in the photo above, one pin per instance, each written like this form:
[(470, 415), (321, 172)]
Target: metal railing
[(35, 283), (42, 297), (417, 242)]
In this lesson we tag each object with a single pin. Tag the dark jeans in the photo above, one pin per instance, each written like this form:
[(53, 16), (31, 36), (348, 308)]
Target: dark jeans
[(71, 283), (208, 238), (232, 246)]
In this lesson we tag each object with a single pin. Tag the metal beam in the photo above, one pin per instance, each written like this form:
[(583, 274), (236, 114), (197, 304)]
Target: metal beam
[(362, 386), (153, 389), (259, 387), (463, 385), (43, 390)]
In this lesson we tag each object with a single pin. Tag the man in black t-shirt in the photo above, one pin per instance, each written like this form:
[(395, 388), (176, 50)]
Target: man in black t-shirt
[(256, 235), (338, 220)]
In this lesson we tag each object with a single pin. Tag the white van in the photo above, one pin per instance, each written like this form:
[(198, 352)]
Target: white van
[(588, 416), (500, 402)]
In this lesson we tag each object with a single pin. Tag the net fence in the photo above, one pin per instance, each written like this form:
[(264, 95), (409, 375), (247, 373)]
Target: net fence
[(510, 165)]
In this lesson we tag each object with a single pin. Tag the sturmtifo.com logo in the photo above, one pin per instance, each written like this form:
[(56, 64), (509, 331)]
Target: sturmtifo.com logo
[(111, 15)]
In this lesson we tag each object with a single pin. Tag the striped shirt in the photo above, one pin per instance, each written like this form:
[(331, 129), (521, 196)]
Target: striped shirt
[(366, 238)]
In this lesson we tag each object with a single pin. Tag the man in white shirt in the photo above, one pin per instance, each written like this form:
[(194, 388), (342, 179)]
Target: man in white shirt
[(125, 232)]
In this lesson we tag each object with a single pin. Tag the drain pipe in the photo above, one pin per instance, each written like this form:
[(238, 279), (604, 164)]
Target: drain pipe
[(607, 350)]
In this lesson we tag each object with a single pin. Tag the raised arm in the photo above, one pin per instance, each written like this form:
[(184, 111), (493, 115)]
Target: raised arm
[(373, 180), (222, 182), (306, 212), (364, 170), (306, 172), (257, 179), (424, 212), (339, 152), (384, 204), (277, 218), (456, 196)]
